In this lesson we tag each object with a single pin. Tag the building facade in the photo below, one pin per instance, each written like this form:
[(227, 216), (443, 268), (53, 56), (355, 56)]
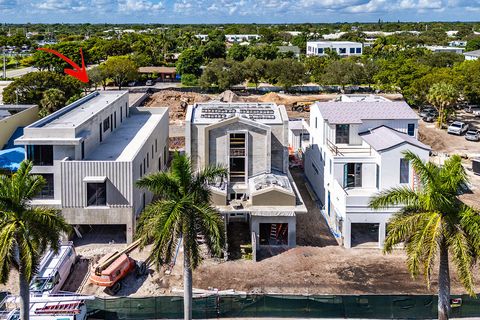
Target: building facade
[(91, 152), (251, 141), (13, 117), (356, 151), (342, 48)]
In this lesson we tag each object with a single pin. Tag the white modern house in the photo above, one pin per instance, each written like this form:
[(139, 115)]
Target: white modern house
[(472, 55), (342, 48), (258, 197), (92, 152), (436, 49), (356, 151)]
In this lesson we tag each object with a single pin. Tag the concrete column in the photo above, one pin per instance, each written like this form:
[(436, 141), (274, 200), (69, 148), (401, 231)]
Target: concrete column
[(292, 232), (347, 234), (381, 234)]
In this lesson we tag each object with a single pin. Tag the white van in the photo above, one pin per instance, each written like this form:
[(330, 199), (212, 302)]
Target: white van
[(53, 270)]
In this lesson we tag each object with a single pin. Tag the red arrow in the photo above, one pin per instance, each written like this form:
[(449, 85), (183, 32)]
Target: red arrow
[(77, 72)]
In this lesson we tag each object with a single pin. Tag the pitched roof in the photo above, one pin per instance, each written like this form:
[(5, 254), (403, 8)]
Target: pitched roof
[(355, 112), (475, 53), (157, 70), (383, 138)]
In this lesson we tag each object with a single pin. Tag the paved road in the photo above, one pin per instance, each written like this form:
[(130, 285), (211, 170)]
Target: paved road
[(19, 72)]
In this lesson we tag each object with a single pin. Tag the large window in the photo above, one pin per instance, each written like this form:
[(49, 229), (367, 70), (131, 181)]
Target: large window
[(411, 129), (96, 194), (352, 175), (40, 155), (342, 133), (47, 190), (106, 124), (352, 50), (404, 171), (342, 50)]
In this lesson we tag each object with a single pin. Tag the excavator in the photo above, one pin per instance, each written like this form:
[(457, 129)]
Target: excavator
[(301, 106), (112, 268)]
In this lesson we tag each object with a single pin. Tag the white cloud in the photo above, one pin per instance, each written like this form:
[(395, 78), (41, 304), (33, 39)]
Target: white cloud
[(63, 6), (148, 7)]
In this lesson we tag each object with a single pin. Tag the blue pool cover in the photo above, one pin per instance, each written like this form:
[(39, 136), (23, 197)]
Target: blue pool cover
[(10, 159)]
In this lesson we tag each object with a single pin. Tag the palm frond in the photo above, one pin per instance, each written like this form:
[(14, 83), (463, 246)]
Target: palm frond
[(212, 227), (395, 197), (162, 184), (7, 247), (453, 175), (461, 251), (400, 228)]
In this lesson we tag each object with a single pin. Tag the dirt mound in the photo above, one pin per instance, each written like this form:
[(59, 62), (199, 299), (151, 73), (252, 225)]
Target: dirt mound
[(176, 101), (229, 96), (272, 97)]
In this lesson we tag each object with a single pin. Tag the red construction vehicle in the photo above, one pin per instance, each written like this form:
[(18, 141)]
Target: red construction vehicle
[(112, 268)]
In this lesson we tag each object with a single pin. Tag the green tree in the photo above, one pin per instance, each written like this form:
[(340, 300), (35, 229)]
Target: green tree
[(189, 62), (286, 72), (442, 96), (214, 50), (120, 70), (98, 75), (434, 223), (473, 44), (29, 88), (264, 52), (238, 52), (255, 70), (343, 72), (223, 74), (470, 72), (25, 231), (53, 99), (182, 211)]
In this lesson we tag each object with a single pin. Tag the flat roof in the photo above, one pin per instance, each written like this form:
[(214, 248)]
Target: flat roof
[(80, 111), (124, 143), (333, 42), (213, 112)]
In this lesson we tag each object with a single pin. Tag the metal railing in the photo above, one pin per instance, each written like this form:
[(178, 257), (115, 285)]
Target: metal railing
[(237, 152)]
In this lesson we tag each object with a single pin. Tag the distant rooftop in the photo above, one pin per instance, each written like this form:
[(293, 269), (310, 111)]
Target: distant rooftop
[(6, 110), (355, 112), (384, 138), (475, 53), (323, 42), (211, 112)]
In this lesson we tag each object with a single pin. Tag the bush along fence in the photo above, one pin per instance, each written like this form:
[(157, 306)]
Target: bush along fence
[(249, 306)]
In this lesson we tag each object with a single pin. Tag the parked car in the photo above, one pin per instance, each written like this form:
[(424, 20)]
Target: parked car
[(427, 110), (458, 128), (430, 117), (472, 135), (149, 83), (470, 108), (132, 84), (476, 112)]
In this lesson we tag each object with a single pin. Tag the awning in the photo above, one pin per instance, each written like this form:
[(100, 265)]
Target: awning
[(95, 179), (273, 213)]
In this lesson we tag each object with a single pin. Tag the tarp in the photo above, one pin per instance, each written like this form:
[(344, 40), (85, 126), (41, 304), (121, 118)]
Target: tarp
[(10, 159)]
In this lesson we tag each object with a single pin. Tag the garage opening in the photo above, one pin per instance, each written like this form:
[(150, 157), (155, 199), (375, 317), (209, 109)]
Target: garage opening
[(87, 234), (274, 234), (365, 234)]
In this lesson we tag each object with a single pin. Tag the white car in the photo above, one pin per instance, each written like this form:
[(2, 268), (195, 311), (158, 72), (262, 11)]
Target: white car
[(472, 135), (458, 128)]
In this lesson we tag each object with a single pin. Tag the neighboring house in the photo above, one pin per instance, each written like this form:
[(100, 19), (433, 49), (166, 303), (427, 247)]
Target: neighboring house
[(472, 55), (235, 38), (356, 151), (294, 49), (298, 135), (458, 43), (92, 152), (258, 196), (445, 49), (342, 48), (12, 119)]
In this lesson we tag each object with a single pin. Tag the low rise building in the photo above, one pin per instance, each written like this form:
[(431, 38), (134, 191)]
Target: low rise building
[(342, 48), (472, 55), (356, 151), (92, 152), (445, 49), (13, 118), (250, 140)]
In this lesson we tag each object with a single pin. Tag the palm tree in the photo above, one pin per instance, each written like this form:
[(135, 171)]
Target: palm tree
[(434, 223), (25, 231), (442, 96), (182, 211), (53, 99)]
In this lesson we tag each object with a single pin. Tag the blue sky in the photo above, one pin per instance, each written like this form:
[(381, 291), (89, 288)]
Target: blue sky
[(236, 11)]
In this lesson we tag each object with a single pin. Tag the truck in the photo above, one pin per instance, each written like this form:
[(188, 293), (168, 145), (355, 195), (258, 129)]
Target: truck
[(53, 270), (113, 267), (301, 106)]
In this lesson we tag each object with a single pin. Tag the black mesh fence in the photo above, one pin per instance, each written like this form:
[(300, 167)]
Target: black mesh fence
[(257, 306)]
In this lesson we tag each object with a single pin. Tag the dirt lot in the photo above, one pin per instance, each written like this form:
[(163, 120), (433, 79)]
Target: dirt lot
[(444, 144)]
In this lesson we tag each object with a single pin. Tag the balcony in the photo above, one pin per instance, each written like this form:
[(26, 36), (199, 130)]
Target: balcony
[(237, 152), (348, 150)]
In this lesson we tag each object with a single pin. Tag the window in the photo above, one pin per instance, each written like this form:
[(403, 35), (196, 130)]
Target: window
[(342, 133), (148, 160), (359, 50), (404, 171), (47, 190), (378, 177), (40, 155), (160, 164), (115, 119), (101, 137), (342, 50), (411, 129), (126, 110), (352, 175), (152, 151), (320, 50), (83, 149), (316, 123), (144, 166), (156, 146), (121, 114), (111, 121), (106, 124), (141, 170), (314, 168), (352, 50), (96, 194)]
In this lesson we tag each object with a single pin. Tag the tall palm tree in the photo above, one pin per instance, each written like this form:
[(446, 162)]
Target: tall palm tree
[(182, 211), (25, 231), (442, 96), (434, 223)]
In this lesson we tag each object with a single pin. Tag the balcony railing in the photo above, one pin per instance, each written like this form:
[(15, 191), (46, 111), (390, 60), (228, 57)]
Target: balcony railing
[(237, 152), (348, 149)]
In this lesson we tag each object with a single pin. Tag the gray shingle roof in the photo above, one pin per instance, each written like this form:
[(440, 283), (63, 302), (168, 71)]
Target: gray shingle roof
[(383, 138), (356, 112), (475, 53)]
